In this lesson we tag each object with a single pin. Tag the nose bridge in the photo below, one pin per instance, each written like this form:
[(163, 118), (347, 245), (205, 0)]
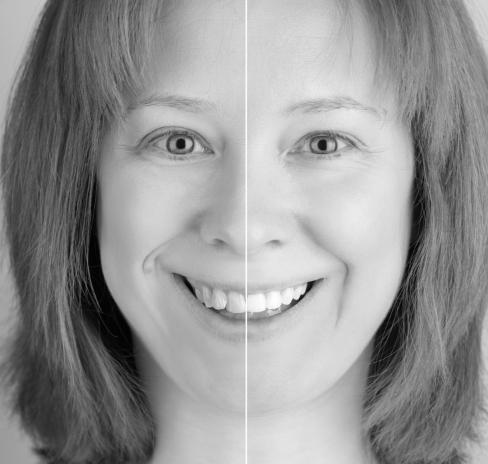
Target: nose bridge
[(266, 224), (223, 222)]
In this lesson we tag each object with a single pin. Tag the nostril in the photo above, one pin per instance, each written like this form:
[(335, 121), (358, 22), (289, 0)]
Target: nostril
[(222, 235)]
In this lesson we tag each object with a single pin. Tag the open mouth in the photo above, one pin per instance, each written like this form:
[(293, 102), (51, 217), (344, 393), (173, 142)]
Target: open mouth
[(259, 305)]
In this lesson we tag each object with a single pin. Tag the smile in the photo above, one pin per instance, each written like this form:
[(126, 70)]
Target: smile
[(259, 305)]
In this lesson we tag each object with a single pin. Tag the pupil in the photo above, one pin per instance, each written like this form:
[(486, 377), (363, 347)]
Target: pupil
[(322, 145), (181, 144)]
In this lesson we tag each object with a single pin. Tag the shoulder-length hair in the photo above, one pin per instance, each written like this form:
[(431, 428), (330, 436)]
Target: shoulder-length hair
[(72, 374), (71, 369)]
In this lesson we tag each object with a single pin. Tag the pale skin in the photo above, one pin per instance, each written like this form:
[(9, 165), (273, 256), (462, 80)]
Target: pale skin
[(341, 219)]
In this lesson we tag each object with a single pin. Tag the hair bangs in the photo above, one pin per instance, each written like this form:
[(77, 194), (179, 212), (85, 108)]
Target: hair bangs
[(107, 55)]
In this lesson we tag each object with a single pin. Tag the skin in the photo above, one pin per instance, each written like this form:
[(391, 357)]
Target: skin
[(157, 216), (343, 218), (346, 219)]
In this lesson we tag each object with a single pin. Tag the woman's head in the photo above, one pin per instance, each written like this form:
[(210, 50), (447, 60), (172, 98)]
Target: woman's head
[(395, 221)]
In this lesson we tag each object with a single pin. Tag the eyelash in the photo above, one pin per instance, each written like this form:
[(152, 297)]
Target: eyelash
[(190, 156), (149, 144), (327, 134)]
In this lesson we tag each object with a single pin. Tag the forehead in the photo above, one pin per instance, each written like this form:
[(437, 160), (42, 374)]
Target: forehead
[(308, 48), (199, 44), (300, 50)]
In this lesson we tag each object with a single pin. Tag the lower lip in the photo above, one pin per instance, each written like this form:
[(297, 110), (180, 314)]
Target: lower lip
[(234, 330)]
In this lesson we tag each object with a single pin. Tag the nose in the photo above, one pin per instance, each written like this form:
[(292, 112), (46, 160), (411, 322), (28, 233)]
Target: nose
[(268, 218), (223, 222), (246, 212)]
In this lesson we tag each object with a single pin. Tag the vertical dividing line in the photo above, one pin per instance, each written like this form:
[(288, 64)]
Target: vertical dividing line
[(245, 221)]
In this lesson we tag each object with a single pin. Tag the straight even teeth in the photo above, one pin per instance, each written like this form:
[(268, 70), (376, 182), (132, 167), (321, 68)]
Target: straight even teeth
[(235, 302), (273, 300), (256, 303)]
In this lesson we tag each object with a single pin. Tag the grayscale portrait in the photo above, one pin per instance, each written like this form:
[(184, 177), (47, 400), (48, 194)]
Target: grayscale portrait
[(246, 232)]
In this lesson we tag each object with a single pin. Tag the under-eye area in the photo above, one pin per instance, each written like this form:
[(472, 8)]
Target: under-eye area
[(259, 305)]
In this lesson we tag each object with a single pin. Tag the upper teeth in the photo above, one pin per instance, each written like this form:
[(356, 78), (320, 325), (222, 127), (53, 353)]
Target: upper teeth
[(236, 303)]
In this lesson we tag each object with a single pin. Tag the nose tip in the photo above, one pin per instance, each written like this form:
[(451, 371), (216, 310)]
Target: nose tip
[(224, 219), (240, 229), (224, 231), (239, 237), (246, 221)]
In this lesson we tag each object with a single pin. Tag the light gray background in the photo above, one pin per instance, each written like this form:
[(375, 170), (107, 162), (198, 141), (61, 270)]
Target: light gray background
[(17, 19)]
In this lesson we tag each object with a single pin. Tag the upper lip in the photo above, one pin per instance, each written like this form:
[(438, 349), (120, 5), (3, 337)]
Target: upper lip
[(253, 287)]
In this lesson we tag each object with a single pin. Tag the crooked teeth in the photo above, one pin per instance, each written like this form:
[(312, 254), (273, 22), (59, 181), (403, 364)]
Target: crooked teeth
[(219, 299), (199, 295), (299, 291), (235, 302), (207, 296)]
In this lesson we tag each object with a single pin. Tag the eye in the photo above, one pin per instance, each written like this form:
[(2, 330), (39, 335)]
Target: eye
[(322, 144), (177, 144), (327, 144), (180, 144)]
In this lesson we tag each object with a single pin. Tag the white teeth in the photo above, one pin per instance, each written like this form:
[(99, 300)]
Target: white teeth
[(236, 303), (199, 295), (256, 303), (287, 295), (207, 296), (219, 299), (273, 300), (274, 312)]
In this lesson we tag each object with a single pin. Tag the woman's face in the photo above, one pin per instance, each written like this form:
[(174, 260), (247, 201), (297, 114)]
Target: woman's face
[(326, 200)]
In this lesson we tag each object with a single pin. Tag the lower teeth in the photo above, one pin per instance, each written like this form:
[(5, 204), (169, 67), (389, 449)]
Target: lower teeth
[(250, 315)]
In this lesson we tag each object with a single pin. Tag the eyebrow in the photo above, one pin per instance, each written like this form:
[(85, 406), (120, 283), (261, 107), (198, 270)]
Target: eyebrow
[(324, 105), (190, 105)]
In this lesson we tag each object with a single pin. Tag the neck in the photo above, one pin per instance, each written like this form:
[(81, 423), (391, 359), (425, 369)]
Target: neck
[(326, 430)]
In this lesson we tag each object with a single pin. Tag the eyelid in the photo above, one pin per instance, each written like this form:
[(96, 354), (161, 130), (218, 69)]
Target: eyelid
[(335, 135), (161, 132)]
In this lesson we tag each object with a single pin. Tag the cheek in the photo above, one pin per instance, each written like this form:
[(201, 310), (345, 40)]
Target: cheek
[(143, 211), (140, 213), (365, 221), (139, 210), (365, 227), (359, 224)]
